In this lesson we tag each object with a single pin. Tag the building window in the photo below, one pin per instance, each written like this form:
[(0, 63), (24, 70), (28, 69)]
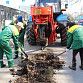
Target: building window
[(66, 6), (7, 2)]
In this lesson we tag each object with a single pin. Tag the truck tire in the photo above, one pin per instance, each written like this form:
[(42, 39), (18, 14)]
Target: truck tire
[(31, 36), (63, 31)]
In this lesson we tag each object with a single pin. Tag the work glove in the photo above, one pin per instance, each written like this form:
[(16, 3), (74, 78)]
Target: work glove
[(19, 49)]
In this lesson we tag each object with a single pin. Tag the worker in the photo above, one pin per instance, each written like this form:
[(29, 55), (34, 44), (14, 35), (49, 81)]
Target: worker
[(21, 35), (6, 34), (62, 30), (75, 42)]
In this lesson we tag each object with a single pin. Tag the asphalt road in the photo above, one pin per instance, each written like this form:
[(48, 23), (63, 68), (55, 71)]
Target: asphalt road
[(67, 75), (64, 75)]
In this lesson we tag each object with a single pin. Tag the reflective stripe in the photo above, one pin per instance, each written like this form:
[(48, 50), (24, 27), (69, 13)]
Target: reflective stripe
[(14, 29), (73, 28), (7, 60), (10, 60)]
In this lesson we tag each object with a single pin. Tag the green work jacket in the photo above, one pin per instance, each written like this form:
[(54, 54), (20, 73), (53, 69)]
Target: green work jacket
[(10, 32), (75, 37)]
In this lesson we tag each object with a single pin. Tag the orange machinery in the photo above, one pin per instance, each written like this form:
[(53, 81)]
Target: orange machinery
[(43, 25)]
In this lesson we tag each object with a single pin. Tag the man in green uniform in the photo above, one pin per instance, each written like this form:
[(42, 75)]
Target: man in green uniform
[(75, 42), (7, 33), (21, 35)]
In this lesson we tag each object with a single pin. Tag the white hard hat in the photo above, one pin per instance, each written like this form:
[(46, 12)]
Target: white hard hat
[(20, 24)]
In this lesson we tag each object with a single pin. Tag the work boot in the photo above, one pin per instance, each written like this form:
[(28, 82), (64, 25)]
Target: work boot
[(3, 66), (72, 67), (81, 67)]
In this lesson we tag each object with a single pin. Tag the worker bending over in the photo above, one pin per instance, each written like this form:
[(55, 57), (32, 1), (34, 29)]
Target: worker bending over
[(21, 35), (7, 33)]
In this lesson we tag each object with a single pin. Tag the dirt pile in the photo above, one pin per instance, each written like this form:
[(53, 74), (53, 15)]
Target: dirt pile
[(38, 68)]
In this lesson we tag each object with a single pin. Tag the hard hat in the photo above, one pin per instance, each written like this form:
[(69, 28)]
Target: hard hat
[(20, 24), (19, 18)]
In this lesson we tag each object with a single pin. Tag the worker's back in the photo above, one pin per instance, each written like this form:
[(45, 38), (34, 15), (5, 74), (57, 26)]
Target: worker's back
[(6, 34), (77, 38)]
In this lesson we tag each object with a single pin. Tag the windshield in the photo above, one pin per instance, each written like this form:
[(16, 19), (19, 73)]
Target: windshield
[(55, 3)]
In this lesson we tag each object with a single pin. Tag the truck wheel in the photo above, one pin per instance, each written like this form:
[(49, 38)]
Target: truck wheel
[(64, 38), (63, 43), (31, 37)]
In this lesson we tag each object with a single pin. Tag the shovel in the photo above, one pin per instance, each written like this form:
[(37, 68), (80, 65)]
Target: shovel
[(26, 55), (60, 53), (23, 52)]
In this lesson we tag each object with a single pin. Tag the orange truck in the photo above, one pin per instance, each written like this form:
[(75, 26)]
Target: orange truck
[(42, 29)]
